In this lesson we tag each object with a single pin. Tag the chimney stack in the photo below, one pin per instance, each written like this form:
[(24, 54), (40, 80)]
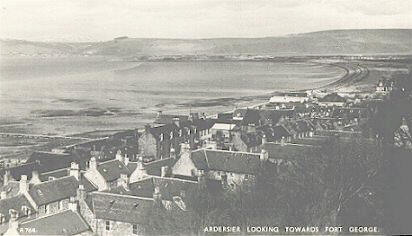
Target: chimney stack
[(119, 156), (264, 139), (156, 194), (13, 224), (74, 170), (123, 181), (126, 160), (35, 178), (282, 141), (164, 171), (172, 153), (3, 195), (176, 121), (264, 155), (93, 163), (81, 193), (7, 177), (73, 204), (23, 184)]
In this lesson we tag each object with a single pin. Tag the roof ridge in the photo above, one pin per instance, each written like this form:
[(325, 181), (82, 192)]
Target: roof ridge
[(215, 150), (171, 178), (49, 181), (45, 216), (123, 195)]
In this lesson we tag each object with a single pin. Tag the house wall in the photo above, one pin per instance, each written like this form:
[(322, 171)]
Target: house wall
[(88, 215), (184, 165), (53, 207), (147, 145), (97, 179), (233, 179), (116, 228)]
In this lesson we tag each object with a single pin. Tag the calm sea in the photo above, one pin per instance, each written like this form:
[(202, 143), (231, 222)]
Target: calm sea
[(75, 95)]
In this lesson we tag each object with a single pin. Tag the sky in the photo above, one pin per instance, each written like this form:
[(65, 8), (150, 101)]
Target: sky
[(101, 20)]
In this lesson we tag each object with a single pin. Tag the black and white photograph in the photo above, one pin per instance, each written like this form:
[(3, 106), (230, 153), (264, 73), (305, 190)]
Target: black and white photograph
[(205, 117)]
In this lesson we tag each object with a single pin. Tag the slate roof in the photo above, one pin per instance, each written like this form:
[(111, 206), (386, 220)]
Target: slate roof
[(63, 223), (56, 174), (251, 139), (219, 160), (12, 188), (49, 161), (162, 129), (16, 203), (168, 118), (288, 150), (169, 187), (274, 133), (315, 140), (23, 169), (203, 124), (258, 116), (154, 167), (123, 208), (111, 170), (54, 190)]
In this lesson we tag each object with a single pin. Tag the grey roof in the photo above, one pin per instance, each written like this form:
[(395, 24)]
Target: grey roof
[(219, 160), (154, 167), (123, 208), (111, 170), (54, 190), (63, 223), (16, 203), (289, 151)]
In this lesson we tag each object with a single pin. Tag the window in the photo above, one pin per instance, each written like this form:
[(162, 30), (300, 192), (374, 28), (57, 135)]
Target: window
[(135, 229), (2, 218), (107, 225)]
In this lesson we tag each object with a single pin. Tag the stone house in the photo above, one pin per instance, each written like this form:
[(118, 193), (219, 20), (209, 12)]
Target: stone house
[(67, 222), (105, 175), (231, 168), (156, 142)]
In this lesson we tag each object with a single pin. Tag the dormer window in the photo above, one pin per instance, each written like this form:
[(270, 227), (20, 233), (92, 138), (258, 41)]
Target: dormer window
[(51, 178)]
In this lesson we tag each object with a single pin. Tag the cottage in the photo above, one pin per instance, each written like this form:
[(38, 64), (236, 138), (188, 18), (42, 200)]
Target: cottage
[(117, 214), (68, 222), (232, 168), (14, 209), (105, 175)]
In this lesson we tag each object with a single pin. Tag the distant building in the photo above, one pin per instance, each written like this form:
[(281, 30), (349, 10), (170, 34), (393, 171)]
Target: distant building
[(287, 97), (332, 99), (156, 142)]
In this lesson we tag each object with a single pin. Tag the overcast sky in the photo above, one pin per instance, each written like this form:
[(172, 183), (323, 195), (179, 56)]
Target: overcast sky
[(99, 20)]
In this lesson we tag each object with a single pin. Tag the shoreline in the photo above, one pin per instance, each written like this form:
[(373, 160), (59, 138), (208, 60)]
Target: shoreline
[(349, 74)]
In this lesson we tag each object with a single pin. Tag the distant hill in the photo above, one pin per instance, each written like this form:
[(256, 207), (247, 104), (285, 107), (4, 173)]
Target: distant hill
[(337, 42)]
